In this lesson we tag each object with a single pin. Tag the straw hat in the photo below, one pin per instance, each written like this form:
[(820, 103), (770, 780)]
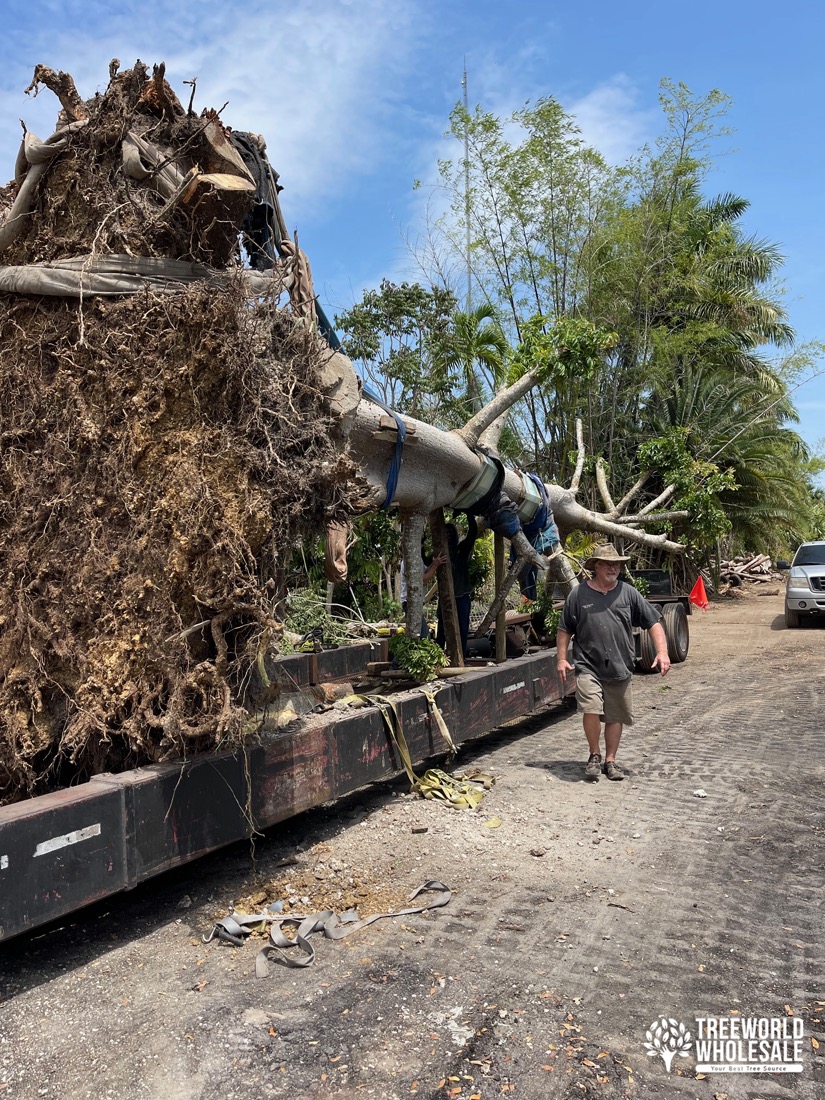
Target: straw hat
[(605, 552)]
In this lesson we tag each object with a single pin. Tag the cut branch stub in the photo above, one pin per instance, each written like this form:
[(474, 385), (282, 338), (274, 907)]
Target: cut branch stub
[(63, 86)]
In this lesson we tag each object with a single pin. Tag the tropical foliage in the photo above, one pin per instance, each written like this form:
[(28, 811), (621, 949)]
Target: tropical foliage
[(659, 318)]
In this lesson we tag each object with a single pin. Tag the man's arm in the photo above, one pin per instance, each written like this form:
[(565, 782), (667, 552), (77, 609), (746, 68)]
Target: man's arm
[(562, 664), (430, 571), (659, 639), (465, 547)]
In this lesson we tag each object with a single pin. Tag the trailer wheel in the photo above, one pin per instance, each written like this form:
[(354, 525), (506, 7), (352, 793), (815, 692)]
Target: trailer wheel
[(676, 632), (647, 652)]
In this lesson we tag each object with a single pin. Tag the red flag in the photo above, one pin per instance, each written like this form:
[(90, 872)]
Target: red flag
[(698, 595)]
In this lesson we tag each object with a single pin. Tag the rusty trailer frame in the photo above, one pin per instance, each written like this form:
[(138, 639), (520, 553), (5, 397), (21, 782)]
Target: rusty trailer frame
[(65, 850)]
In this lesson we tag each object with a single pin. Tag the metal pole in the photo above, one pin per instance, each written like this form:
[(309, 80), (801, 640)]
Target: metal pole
[(467, 186)]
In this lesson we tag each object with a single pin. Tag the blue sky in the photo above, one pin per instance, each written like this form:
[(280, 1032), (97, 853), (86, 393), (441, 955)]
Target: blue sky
[(353, 99)]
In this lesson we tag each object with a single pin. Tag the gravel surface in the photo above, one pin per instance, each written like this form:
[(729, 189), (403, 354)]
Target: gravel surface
[(580, 914)]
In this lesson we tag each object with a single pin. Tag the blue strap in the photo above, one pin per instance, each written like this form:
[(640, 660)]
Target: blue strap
[(325, 327), (539, 520), (331, 337), (398, 455)]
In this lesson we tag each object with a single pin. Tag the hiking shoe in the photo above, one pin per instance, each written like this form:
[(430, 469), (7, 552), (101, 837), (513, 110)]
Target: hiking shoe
[(593, 767), (612, 770)]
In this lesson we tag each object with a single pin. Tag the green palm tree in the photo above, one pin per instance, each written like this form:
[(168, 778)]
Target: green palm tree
[(475, 348), (741, 424)]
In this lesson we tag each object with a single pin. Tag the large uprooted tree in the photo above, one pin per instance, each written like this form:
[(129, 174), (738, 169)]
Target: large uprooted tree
[(171, 423)]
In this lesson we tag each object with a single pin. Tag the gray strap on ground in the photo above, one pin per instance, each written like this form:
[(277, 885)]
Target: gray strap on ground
[(299, 952)]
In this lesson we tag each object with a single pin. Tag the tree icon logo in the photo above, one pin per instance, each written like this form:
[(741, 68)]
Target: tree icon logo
[(667, 1037)]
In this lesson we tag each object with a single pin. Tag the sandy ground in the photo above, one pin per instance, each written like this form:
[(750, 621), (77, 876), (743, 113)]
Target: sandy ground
[(581, 913)]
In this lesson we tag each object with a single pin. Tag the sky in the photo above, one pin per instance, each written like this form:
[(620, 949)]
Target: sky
[(353, 99)]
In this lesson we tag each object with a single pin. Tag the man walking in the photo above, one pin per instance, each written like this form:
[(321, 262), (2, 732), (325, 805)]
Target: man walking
[(599, 616)]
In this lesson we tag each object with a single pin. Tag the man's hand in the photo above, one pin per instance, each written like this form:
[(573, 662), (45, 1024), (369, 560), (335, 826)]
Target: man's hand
[(564, 667), (663, 661), (659, 639)]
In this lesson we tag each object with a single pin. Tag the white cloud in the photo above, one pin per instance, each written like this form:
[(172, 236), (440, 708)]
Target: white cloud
[(611, 120)]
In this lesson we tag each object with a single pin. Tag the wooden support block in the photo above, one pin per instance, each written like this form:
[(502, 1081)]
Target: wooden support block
[(378, 666)]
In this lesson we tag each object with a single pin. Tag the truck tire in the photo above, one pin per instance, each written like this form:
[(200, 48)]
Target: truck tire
[(791, 619), (677, 632), (647, 652)]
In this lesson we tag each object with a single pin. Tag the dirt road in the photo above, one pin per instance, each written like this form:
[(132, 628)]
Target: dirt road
[(581, 914)]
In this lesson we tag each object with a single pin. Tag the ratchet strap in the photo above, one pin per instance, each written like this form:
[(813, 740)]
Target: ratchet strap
[(434, 783)]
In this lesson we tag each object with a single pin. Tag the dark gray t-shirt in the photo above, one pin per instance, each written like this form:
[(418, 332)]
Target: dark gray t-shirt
[(602, 627)]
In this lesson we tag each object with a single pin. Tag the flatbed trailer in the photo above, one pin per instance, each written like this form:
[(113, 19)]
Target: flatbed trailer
[(67, 849)]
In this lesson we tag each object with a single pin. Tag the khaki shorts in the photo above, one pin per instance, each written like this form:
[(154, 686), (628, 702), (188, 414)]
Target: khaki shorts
[(612, 700)]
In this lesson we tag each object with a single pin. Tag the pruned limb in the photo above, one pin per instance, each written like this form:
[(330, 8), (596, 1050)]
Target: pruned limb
[(510, 578), (525, 550), (489, 439), (577, 473), (570, 516), (630, 494), (654, 517), (664, 496), (562, 573), (601, 482), (63, 87), (158, 94), (503, 401)]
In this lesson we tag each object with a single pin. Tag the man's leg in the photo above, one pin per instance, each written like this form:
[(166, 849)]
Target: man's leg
[(592, 731), (618, 710), (612, 737), (590, 699)]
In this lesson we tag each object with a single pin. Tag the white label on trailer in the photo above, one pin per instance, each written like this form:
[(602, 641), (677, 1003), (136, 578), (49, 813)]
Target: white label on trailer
[(64, 841), (512, 687), (4, 862)]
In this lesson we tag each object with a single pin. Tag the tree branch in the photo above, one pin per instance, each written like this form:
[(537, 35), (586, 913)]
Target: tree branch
[(63, 87), (664, 496), (655, 517), (577, 473), (503, 401), (601, 481), (630, 494)]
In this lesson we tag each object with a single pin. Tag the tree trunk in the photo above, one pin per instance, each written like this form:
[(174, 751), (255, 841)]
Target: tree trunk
[(437, 466)]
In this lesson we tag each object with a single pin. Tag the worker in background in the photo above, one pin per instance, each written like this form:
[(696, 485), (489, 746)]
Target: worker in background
[(460, 553)]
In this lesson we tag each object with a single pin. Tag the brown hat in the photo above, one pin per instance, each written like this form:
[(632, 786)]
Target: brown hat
[(605, 552)]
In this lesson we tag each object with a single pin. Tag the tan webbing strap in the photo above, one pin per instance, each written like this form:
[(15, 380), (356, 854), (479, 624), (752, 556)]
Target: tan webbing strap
[(439, 720)]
